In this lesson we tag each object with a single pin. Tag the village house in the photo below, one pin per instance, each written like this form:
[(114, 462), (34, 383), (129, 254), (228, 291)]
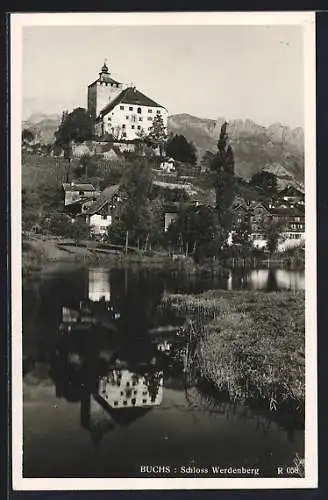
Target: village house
[(289, 222), (125, 114), (104, 210), (292, 195), (77, 192), (168, 165)]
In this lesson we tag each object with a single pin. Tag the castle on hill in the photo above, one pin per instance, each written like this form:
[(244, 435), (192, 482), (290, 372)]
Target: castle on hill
[(124, 113)]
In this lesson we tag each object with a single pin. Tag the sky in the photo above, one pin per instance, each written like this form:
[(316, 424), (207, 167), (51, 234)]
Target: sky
[(235, 72)]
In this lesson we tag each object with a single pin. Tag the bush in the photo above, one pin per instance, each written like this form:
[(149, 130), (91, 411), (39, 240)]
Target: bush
[(58, 224)]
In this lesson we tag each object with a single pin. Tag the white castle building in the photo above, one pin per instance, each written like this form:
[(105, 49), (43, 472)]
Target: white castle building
[(126, 114)]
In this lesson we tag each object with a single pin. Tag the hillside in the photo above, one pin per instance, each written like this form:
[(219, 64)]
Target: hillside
[(277, 148), (255, 147)]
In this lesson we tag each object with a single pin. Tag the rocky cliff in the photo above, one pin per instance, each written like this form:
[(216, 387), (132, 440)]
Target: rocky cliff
[(277, 148)]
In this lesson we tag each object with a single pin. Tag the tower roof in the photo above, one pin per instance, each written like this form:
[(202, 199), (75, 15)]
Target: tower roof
[(105, 76), (104, 68)]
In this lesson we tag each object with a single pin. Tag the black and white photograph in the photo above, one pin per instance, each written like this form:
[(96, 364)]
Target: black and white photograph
[(163, 230)]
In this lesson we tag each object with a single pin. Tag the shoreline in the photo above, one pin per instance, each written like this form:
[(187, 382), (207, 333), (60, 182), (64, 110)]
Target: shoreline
[(40, 252)]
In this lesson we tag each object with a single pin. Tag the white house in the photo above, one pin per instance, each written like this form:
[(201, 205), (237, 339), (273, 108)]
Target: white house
[(100, 215), (125, 114), (168, 165)]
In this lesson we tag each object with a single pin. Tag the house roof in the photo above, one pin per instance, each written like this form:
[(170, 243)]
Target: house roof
[(82, 200), (292, 191), (72, 186), (130, 95), (282, 211), (106, 196)]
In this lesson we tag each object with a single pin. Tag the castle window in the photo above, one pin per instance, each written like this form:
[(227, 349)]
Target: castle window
[(123, 126), (140, 118), (139, 110), (133, 401), (131, 108), (132, 126), (126, 117), (115, 403), (139, 127), (124, 134), (144, 401), (125, 403), (150, 118), (150, 110), (121, 107), (158, 112)]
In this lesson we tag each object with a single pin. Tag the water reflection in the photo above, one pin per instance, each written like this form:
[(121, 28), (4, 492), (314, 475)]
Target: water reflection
[(110, 350), (97, 340)]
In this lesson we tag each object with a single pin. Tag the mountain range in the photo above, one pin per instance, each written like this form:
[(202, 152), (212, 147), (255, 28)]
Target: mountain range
[(278, 149)]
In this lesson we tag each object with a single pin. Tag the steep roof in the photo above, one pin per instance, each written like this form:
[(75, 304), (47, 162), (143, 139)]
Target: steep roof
[(106, 196), (130, 95), (72, 186)]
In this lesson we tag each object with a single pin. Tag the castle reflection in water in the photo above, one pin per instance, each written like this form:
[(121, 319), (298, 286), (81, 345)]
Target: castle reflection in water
[(105, 356)]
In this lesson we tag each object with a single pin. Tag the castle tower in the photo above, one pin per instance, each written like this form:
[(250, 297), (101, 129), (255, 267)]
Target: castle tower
[(102, 91)]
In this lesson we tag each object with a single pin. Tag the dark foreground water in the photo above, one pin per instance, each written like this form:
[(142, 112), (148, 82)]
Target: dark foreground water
[(105, 395)]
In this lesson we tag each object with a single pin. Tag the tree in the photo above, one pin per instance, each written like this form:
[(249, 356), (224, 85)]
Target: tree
[(222, 176), (206, 160), (79, 229), (157, 134), (76, 126), (58, 224), (50, 196), (87, 167), (27, 135), (272, 230), (266, 181), (242, 231), (195, 232), (136, 214), (181, 150)]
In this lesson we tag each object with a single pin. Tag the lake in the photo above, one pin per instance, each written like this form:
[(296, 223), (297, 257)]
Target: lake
[(105, 397)]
